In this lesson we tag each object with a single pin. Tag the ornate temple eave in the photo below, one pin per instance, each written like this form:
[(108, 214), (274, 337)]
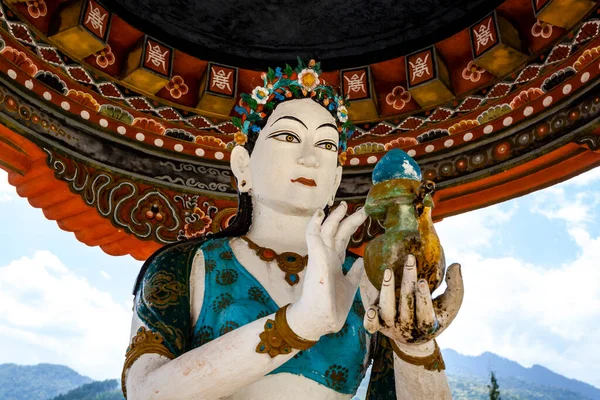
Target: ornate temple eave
[(130, 169), (36, 182)]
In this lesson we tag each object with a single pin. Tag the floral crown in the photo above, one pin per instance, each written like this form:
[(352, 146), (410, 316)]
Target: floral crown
[(280, 85)]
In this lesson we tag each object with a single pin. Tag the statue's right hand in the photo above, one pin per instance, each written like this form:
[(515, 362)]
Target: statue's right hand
[(327, 294)]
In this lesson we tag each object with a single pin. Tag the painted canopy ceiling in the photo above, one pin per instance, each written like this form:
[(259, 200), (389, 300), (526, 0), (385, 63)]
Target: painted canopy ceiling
[(268, 33), (116, 114)]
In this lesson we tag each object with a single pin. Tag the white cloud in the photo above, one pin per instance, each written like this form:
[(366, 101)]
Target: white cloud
[(49, 314), (105, 274), (533, 315), (7, 192)]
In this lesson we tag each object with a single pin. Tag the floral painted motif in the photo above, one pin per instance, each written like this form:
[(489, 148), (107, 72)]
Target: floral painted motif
[(37, 8), (240, 139), (85, 99), (525, 97), (211, 141), (226, 255), (20, 59), (493, 112), (309, 79), (222, 302), (197, 223), (260, 94), (116, 112), (462, 126), (210, 265), (204, 335), (586, 58), (149, 125), (368, 148), (336, 376), (342, 113), (541, 29), (226, 277), (105, 57), (227, 327), (257, 294), (177, 87), (400, 143), (398, 98), (472, 72)]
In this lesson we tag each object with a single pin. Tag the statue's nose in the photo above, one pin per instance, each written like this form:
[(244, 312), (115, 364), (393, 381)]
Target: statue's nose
[(309, 159)]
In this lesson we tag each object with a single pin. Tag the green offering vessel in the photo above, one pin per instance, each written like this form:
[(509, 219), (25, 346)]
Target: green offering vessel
[(401, 200)]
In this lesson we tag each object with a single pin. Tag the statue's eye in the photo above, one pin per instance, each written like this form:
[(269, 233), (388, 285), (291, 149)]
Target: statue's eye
[(327, 145), (286, 137)]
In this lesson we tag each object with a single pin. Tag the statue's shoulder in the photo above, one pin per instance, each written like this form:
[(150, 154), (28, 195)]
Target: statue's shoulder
[(162, 294), (174, 259)]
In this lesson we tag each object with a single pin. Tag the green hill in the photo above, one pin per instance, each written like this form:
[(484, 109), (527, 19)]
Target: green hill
[(37, 382), (472, 388), (525, 382), (100, 390)]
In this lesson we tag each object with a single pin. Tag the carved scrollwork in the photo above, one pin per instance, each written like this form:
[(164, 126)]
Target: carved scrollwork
[(147, 212)]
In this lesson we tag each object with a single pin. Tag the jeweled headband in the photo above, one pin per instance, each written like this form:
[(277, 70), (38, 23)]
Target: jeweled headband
[(299, 83)]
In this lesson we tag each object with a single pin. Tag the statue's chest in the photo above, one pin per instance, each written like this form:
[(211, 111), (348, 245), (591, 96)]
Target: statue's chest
[(234, 297)]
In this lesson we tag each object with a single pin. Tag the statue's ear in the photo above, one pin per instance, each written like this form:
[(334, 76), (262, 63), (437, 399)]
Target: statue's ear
[(336, 185), (240, 166)]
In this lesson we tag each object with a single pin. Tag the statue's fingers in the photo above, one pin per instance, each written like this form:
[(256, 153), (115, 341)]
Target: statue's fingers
[(356, 272), (348, 227), (447, 305), (406, 307), (371, 321), (426, 321), (313, 234), (387, 299), (331, 224)]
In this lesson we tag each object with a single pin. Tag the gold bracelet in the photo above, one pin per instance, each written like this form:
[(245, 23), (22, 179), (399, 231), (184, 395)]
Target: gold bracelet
[(278, 338), (432, 362)]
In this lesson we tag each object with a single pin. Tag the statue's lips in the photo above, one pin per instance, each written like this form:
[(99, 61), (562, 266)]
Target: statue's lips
[(305, 181)]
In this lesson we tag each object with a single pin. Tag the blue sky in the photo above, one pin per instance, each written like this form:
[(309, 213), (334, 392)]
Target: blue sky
[(531, 268)]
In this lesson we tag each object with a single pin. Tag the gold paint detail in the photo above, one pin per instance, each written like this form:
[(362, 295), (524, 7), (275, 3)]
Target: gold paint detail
[(144, 342), (565, 13), (506, 56), (163, 290), (432, 362), (278, 338), (67, 33)]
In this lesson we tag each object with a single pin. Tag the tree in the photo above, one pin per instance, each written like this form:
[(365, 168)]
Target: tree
[(494, 388)]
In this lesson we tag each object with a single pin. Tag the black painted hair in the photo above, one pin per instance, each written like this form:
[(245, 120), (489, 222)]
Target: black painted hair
[(239, 226)]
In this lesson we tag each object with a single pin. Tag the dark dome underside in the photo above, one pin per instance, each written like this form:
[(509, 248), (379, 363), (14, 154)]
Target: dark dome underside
[(252, 34)]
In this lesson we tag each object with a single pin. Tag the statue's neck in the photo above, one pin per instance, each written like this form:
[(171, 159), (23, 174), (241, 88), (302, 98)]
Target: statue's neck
[(279, 231)]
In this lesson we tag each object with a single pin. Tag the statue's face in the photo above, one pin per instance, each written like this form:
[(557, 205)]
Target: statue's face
[(293, 167)]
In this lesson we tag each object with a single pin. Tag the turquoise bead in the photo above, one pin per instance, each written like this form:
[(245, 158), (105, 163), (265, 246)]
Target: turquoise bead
[(396, 164)]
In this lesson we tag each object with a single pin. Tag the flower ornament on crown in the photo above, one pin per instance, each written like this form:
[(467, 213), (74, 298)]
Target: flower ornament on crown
[(300, 83)]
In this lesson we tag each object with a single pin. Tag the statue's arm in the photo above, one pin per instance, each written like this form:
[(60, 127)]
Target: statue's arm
[(412, 381), (214, 370)]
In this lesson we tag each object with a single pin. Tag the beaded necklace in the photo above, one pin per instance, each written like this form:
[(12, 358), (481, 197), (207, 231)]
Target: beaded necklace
[(288, 262)]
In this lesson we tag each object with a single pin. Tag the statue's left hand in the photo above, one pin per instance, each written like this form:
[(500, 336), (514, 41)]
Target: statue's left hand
[(418, 317)]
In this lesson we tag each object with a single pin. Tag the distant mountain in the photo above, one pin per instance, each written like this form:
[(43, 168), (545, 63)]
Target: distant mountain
[(99, 390), (512, 375), (475, 388), (37, 382), (468, 377)]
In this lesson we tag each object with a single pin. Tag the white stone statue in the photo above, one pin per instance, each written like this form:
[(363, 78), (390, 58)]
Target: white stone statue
[(210, 320)]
